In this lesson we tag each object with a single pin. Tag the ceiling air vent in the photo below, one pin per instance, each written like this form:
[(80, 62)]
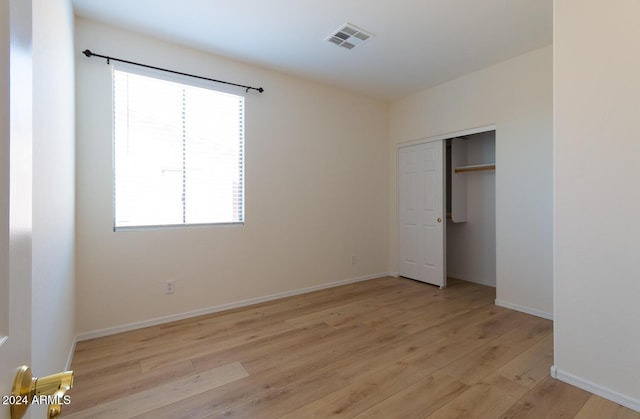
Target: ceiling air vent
[(349, 36)]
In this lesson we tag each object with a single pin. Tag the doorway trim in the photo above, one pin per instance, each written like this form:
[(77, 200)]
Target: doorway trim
[(446, 136), (439, 137)]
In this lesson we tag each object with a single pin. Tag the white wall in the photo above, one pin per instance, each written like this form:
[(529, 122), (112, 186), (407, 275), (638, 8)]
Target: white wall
[(53, 295), (316, 192), (597, 197), (516, 95), (471, 246)]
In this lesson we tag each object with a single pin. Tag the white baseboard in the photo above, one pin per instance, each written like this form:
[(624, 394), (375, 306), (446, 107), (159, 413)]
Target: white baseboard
[(596, 389), (485, 283), (200, 312), (523, 309), (394, 274), (480, 282)]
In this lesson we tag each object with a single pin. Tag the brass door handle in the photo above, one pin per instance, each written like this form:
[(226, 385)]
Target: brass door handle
[(439, 219), (50, 390)]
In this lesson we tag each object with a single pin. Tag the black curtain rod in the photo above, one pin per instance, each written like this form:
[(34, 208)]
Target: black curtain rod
[(90, 54)]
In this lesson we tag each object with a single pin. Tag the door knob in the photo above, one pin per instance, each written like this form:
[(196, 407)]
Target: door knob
[(439, 219), (49, 390)]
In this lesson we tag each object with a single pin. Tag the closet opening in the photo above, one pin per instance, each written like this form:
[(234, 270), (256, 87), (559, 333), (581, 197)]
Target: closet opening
[(470, 196)]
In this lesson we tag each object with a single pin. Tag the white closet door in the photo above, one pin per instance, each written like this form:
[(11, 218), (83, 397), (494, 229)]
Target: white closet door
[(421, 209)]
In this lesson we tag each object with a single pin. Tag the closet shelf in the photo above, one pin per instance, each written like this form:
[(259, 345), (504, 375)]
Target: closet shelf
[(475, 168)]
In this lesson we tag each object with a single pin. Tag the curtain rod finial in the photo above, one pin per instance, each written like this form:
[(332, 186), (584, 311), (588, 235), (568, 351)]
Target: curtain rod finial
[(260, 89), (87, 52)]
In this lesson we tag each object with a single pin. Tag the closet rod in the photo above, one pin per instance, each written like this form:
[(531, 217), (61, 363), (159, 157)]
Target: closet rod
[(476, 168)]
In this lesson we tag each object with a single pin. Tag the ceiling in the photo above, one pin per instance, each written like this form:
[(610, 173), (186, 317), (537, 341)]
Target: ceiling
[(417, 43)]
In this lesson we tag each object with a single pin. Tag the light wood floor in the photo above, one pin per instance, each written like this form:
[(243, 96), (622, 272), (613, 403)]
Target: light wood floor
[(385, 348)]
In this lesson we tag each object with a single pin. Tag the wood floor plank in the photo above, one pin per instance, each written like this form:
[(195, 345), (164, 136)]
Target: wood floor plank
[(422, 317), (485, 360), (285, 399), (482, 324), (344, 341), (344, 314), (597, 407), (107, 385), (190, 349), (550, 398), (486, 399), (424, 346), (388, 347), (264, 383), (273, 404), (359, 395), (296, 369), (144, 401), (418, 400), (305, 338), (532, 366)]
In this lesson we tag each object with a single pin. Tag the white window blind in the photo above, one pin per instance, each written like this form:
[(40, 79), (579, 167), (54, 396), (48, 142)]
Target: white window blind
[(178, 152)]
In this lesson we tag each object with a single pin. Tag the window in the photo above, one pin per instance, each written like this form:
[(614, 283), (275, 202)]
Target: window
[(178, 151)]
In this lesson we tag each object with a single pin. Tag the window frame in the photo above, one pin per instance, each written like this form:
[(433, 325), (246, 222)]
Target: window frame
[(189, 81)]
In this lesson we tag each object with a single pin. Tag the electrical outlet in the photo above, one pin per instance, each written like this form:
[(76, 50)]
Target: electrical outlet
[(353, 259), (170, 286)]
